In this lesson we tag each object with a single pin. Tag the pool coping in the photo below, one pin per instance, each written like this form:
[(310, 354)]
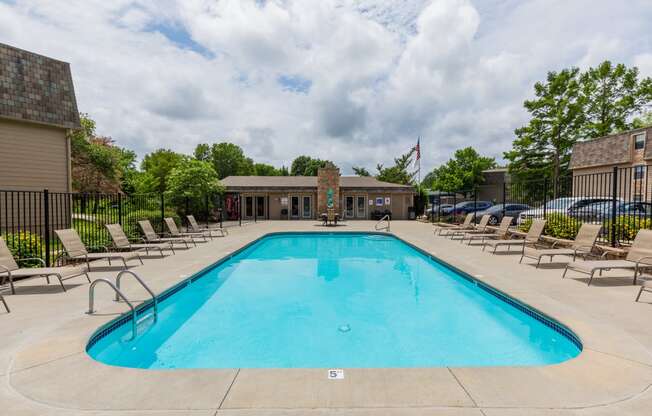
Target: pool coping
[(552, 323), (40, 373)]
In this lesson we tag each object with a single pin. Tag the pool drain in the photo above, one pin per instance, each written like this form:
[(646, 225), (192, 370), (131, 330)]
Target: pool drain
[(344, 328)]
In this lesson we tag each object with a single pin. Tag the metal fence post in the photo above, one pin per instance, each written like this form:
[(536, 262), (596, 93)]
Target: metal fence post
[(162, 212), (187, 207), (475, 205), (120, 209), (240, 210), (545, 197), (614, 205), (208, 210), (504, 197), (46, 223)]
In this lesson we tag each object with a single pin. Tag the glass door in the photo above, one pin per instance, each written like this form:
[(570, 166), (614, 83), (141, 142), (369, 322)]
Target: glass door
[(361, 207), (294, 207), (249, 207), (260, 206), (307, 207), (348, 207)]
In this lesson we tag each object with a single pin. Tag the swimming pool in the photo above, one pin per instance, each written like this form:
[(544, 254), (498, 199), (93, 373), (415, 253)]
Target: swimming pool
[(326, 300)]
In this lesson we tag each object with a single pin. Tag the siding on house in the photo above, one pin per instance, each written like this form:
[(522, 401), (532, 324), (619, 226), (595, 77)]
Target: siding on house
[(34, 157)]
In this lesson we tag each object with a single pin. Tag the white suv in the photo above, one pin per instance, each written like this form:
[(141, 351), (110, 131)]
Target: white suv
[(559, 205)]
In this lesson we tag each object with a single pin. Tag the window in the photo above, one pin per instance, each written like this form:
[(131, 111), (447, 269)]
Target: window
[(638, 198), (639, 141), (639, 172)]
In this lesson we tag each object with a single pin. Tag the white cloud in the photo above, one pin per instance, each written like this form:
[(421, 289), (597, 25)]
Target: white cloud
[(371, 75)]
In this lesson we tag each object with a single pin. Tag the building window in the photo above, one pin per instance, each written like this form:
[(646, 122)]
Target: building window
[(638, 198), (639, 172), (639, 141)]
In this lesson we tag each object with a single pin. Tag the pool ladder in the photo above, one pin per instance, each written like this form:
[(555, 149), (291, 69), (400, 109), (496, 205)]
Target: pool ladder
[(119, 294), (379, 225)]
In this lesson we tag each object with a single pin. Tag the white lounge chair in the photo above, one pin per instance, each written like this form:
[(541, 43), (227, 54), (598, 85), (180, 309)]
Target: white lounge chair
[(76, 250), (10, 270), (638, 258), (581, 246), (121, 242)]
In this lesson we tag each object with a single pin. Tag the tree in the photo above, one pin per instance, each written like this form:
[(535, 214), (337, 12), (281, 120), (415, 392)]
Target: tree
[(98, 165), (643, 121), (612, 95), (157, 166), (227, 159), (284, 171), (399, 172), (193, 178), (307, 166), (361, 171), (542, 147), (263, 169), (462, 172)]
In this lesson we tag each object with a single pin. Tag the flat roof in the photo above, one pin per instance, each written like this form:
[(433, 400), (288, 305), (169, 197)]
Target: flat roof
[(253, 182)]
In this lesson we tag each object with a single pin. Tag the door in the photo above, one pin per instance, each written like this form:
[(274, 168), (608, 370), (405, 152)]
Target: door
[(361, 207), (348, 207), (294, 207), (260, 206), (307, 207), (249, 207)]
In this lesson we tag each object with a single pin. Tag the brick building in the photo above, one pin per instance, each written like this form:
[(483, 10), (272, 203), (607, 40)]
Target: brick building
[(306, 197)]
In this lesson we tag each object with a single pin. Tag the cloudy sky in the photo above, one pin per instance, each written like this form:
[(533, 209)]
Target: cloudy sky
[(354, 81)]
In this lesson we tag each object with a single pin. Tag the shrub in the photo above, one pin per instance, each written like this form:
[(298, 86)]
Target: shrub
[(627, 227), (130, 220), (25, 244), (557, 225), (94, 235)]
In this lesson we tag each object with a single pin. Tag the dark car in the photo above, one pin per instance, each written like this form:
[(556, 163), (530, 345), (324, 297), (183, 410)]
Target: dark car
[(602, 211), (466, 207), (496, 212)]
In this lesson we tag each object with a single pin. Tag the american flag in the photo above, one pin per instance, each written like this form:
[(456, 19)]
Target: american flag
[(418, 149)]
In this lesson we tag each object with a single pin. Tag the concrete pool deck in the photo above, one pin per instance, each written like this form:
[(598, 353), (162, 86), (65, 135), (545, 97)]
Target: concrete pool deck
[(44, 369)]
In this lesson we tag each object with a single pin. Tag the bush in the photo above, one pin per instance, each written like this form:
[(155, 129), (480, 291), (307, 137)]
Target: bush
[(130, 220), (557, 225), (94, 235), (25, 244), (627, 227)]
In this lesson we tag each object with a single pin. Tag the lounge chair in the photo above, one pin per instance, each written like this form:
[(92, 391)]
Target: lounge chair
[(195, 227), (531, 238), (174, 231), (645, 286), (76, 250), (4, 302), (152, 237), (121, 242), (500, 233), (638, 258), (9, 269), (466, 225), (582, 245), (480, 228)]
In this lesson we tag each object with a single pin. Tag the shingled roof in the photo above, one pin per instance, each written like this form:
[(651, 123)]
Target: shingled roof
[(282, 182), (608, 150), (36, 89)]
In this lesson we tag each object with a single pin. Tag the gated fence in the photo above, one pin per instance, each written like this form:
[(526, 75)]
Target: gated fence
[(28, 219), (620, 199)]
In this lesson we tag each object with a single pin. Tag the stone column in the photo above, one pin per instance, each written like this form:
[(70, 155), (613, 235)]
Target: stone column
[(328, 189)]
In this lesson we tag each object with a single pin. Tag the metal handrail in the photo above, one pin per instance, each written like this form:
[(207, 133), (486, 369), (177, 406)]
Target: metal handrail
[(91, 299), (117, 283), (387, 218)]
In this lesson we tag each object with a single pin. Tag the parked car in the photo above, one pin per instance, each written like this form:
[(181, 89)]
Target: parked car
[(496, 212), (444, 209), (560, 205), (602, 211), (466, 207)]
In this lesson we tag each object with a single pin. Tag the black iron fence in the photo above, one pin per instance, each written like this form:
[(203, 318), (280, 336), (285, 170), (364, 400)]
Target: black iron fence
[(618, 198), (28, 219)]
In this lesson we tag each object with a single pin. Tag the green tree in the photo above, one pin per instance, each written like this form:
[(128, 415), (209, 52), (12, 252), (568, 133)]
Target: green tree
[(307, 166), (542, 147), (612, 95), (157, 166), (644, 120), (361, 171), (399, 173), (227, 159), (462, 172), (263, 169), (284, 171), (193, 179)]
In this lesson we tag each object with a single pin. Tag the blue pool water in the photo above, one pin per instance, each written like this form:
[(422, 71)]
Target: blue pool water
[(329, 300)]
